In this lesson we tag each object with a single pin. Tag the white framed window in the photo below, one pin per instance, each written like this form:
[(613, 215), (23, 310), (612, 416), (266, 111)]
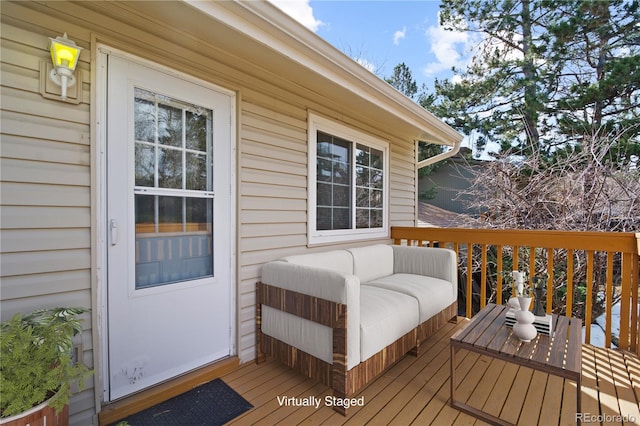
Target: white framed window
[(348, 183)]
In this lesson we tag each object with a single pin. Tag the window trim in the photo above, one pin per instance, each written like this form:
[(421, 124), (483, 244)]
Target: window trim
[(314, 236)]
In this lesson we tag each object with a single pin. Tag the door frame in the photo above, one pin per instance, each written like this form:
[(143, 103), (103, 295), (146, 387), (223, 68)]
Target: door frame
[(99, 210)]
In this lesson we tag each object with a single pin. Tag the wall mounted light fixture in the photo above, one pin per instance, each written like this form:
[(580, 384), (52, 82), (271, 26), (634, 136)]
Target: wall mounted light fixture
[(64, 54)]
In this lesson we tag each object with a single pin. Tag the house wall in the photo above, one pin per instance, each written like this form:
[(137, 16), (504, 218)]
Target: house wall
[(50, 179), (45, 182), (450, 180)]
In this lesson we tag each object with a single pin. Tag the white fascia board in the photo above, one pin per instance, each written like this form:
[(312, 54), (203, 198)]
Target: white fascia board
[(291, 39)]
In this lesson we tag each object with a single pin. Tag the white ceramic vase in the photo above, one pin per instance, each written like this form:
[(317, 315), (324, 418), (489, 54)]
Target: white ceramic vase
[(524, 328), (524, 302)]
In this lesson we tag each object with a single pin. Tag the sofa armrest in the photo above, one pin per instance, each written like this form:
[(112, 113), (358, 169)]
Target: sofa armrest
[(325, 286), (428, 261), (322, 283)]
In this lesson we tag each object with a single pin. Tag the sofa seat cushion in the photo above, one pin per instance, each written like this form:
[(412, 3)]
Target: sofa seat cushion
[(432, 294), (385, 316)]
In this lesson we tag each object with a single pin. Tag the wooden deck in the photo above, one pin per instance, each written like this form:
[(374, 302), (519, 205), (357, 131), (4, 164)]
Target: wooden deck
[(416, 391)]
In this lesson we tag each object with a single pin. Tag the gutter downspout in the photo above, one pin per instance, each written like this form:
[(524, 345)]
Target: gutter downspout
[(453, 151)]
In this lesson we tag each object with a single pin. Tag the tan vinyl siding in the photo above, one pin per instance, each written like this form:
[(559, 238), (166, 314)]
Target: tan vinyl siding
[(273, 188), (46, 157), (45, 186)]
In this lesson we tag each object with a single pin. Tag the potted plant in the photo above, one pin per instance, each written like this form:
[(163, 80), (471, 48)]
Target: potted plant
[(36, 366)]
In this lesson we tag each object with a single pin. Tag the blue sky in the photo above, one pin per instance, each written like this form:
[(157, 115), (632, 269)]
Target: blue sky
[(382, 34)]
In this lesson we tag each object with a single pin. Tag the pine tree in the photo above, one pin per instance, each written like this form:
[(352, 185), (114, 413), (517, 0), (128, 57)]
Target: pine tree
[(599, 43), (403, 80), (548, 73)]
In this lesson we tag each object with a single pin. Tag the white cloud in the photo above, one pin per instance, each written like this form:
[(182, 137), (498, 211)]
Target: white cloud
[(399, 35), (301, 11), (456, 79), (451, 49)]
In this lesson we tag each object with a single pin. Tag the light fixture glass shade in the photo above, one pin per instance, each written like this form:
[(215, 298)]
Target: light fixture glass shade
[(64, 52)]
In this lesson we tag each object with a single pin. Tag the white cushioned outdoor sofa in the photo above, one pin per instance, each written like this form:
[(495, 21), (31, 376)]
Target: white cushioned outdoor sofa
[(344, 316)]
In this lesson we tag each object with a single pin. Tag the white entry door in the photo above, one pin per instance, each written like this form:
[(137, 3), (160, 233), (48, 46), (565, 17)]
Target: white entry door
[(169, 166)]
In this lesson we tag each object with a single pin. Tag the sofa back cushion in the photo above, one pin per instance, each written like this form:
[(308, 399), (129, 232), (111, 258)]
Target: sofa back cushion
[(335, 260), (372, 262)]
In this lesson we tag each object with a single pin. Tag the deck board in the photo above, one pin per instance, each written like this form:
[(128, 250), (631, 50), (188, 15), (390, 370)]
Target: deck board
[(624, 391), (515, 401), (432, 386), (608, 401), (530, 413), (632, 364), (490, 379), (416, 390)]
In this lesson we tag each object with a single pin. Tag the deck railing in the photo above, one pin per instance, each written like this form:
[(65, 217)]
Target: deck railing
[(581, 268)]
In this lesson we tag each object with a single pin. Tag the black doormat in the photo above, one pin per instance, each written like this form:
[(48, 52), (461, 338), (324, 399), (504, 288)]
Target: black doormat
[(211, 404)]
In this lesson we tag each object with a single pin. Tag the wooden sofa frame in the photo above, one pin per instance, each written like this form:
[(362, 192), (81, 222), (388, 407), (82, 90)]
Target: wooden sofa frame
[(343, 382)]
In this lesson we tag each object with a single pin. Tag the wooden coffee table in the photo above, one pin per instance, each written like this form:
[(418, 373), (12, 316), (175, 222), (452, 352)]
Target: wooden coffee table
[(487, 334)]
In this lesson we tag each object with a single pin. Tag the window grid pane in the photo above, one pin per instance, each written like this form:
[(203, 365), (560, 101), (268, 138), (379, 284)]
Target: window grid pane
[(333, 176), (174, 230), (346, 184), (369, 187)]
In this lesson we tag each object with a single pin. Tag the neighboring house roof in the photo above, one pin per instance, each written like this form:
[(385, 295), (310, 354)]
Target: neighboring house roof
[(275, 47), (430, 216)]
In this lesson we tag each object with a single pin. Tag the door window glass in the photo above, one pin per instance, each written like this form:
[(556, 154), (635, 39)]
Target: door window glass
[(173, 190)]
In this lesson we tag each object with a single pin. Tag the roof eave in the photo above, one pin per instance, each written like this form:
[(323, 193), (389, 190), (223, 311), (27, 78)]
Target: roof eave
[(291, 39)]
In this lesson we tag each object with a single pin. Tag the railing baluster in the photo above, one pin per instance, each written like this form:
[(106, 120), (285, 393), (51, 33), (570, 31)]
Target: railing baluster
[(469, 282), (608, 297), (625, 299), (499, 277), (569, 294), (483, 276), (532, 264), (550, 288), (589, 301), (635, 283)]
